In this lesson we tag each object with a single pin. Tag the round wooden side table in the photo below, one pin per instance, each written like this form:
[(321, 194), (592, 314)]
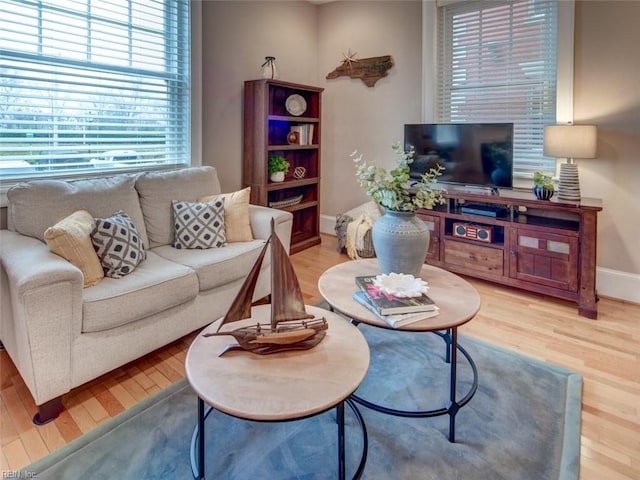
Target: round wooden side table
[(278, 387), (458, 301)]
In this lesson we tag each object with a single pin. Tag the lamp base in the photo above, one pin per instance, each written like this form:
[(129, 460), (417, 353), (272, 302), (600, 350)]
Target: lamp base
[(569, 185)]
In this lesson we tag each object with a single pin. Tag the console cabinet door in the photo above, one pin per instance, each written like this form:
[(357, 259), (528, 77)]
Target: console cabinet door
[(544, 258)]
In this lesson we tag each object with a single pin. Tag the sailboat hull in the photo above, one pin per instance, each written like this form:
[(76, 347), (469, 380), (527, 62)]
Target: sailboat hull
[(269, 349), (262, 339)]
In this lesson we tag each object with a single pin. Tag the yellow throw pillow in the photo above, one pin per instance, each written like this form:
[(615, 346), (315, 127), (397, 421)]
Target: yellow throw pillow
[(71, 239), (236, 214)]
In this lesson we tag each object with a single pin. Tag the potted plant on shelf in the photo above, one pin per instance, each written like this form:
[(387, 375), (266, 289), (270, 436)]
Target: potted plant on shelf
[(278, 167), (400, 238), (542, 186)]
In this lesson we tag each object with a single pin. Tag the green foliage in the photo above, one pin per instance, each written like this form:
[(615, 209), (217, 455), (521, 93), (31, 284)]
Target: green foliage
[(278, 163), (540, 179), (391, 189)]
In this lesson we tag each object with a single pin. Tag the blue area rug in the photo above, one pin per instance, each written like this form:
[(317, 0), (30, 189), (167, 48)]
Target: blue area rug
[(523, 423)]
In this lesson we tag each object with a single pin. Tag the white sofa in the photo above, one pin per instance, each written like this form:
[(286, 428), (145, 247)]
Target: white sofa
[(61, 335)]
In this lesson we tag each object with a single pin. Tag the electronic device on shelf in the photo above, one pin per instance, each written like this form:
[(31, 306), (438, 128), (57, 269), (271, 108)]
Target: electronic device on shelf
[(493, 211), (472, 231), (473, 154)]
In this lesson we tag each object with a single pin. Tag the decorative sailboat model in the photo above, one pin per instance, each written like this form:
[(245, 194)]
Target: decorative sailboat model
[(291, 327)]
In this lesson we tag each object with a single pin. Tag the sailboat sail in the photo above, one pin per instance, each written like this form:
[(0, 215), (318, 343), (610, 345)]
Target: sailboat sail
[(287, 302), (291, 327), (241, 306)]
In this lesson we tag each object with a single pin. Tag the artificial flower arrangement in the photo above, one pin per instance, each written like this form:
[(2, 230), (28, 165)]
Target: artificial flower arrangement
[(391, 189)]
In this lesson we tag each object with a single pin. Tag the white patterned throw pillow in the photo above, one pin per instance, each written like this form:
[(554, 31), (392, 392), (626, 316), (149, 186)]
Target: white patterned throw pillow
[(118, 245), (199, 225)]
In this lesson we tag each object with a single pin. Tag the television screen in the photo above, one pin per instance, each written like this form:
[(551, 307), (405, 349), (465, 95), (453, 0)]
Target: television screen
[(472, 154)]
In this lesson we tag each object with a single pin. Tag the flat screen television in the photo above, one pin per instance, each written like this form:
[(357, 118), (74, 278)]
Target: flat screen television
[(473, 154)]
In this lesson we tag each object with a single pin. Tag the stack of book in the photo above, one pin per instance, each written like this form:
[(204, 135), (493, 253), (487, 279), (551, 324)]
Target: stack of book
[(395, 311), (305, 133)]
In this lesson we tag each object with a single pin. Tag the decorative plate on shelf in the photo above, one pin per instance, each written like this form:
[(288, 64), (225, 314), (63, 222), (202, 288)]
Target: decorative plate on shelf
[(295, 104)]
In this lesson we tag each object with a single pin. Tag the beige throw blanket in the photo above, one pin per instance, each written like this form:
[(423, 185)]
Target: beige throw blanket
[(356, 231)]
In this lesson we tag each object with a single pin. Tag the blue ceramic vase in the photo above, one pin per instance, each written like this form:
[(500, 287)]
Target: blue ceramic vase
[(400, 240)]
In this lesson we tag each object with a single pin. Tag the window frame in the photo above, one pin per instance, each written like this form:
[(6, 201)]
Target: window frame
[(564, 67), (193, 128)]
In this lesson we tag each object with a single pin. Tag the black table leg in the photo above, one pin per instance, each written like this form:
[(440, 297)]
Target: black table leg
[(447, 343), (453, 405), (201, 438), (341, 461), (365, 439), (197, 442)]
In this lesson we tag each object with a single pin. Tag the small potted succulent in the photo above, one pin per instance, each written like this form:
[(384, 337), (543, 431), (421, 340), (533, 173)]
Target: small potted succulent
[(278, 167), (542, 186)]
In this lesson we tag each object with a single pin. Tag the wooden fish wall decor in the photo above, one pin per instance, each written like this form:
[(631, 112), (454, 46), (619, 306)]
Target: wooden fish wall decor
[(369, 70)]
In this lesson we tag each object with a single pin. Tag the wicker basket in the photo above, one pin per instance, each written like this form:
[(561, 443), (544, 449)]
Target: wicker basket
[(287, 202), (342, 222)]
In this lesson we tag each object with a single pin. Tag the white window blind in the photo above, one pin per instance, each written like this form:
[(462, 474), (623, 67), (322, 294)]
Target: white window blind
[(93, 85), (497, 63)]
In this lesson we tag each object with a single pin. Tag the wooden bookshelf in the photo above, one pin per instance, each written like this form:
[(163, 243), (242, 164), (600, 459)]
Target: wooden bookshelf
[(267, 124)]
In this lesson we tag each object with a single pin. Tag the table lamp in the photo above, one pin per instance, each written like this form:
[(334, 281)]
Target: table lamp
[(570, 142)]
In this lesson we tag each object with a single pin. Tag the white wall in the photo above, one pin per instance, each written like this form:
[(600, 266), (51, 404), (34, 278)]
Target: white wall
[(356, 116), (607, 94), (236, 37)]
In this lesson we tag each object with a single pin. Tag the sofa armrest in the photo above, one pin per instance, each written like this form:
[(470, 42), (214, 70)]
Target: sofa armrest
[(41, 297), (260, 218), (30, 264)]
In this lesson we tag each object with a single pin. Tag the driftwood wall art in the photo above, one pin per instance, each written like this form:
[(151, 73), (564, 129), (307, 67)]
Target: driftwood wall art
[(369, 70)]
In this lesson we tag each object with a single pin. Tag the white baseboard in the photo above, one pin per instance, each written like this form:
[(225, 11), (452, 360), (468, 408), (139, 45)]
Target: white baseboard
[(609, 283), (327, 224), (618, 284)]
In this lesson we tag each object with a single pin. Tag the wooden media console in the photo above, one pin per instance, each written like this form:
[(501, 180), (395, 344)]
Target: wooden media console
[(543, 246)]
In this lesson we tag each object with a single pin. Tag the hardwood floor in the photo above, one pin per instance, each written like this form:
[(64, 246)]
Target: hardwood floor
[(606, 352)]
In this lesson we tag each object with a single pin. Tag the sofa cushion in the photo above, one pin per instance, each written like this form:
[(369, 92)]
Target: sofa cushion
[(153, 287), (118, 244), (36, 205), (199, 225), (71, 239), (237, 223), (217, 266), (158, 189)]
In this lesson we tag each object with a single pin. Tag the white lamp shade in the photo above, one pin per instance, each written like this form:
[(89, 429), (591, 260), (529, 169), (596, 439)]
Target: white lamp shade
[(570, 141)]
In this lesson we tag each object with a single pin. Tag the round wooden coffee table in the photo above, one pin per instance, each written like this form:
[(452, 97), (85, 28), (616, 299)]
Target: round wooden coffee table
[(278, 387), (458, 302)]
